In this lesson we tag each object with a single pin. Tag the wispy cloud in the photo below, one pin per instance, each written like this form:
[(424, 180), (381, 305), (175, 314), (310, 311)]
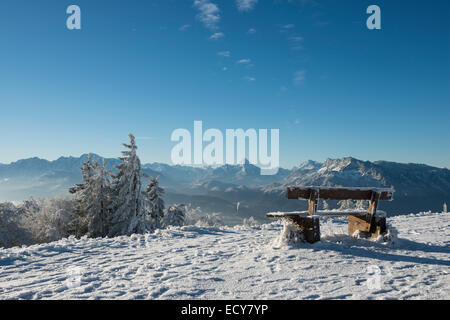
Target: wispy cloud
[(288, 26), (299, 77), (296, 42), (208, 13), (184, 27), (244, 61), (217, 36), (246, 5), (224, 53), (251, 31), (250, 79)]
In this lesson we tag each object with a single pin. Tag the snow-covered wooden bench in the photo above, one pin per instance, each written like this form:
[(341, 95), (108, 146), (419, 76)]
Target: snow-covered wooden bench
[(371, 222)]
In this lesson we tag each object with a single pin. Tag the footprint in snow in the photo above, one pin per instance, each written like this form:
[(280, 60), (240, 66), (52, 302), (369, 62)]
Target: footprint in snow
[(155, 294)]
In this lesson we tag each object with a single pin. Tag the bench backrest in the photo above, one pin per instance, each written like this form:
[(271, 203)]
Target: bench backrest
[(330, 193)]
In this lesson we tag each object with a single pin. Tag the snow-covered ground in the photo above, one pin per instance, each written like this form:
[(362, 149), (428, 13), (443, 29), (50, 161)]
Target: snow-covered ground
[(237, 263)]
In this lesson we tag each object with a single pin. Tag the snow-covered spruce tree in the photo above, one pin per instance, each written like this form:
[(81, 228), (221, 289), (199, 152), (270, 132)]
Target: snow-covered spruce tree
[(175, 216), (156, 203), (81, 193), (96, 201), (128, 216), (93, 198)]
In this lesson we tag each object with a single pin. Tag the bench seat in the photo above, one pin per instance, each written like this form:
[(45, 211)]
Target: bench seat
[(323, 213)]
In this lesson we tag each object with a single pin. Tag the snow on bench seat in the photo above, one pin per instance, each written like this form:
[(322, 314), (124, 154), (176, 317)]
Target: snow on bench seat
[(323, 213)]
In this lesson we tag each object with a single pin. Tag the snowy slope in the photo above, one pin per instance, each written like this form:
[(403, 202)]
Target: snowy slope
[(240, 262)]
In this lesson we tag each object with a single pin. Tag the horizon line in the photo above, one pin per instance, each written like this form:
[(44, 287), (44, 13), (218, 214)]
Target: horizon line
[(206, 166)]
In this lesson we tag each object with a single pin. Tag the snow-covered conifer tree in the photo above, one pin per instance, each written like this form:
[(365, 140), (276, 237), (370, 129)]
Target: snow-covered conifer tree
[(97, 199), (93, 199), (175, 216), (156, 207), (81, 191), (128, 216)]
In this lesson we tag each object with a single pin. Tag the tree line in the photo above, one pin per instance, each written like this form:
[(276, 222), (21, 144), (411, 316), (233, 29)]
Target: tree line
[(104, 204), (110, 204)]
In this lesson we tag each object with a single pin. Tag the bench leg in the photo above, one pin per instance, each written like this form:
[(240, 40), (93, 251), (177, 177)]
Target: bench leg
[(374, 229), (308, 226)]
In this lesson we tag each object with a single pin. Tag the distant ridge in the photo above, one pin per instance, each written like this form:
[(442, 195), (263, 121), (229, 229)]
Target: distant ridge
[(418, 187)]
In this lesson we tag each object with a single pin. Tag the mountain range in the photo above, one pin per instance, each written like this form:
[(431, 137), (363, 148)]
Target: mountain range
[(418, 187)]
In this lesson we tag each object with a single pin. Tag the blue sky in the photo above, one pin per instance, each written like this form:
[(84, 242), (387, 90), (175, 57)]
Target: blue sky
[(309, 68)]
